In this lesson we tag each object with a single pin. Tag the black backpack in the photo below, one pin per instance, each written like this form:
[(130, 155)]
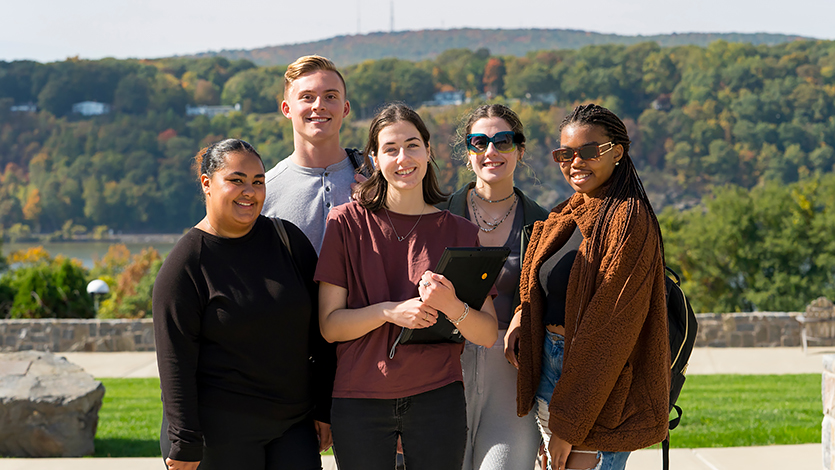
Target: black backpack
[(682, 324)]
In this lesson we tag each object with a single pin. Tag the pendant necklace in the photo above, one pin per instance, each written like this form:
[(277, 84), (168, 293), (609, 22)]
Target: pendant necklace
[(492, 225), (399, 238)]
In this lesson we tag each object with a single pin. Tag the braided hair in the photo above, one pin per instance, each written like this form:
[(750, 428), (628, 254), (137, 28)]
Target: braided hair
[(624, 187)]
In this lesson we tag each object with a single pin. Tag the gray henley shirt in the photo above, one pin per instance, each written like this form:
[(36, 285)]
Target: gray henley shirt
[(304, 196)]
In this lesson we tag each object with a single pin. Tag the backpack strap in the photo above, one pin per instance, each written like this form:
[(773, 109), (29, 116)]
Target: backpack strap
[(665, 454), (282, 235), (356, 160)]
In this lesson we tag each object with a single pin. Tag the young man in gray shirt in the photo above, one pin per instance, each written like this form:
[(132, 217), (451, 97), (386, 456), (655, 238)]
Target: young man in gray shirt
[(319, 174)]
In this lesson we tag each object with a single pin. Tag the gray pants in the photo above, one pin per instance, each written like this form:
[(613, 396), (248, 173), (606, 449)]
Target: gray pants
[(497, 439)]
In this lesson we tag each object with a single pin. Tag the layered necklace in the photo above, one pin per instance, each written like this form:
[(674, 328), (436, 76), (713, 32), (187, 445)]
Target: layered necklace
[(399, 238), (490, 226)]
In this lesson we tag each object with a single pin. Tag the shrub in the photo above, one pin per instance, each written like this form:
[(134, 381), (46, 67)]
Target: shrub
[(131, 295), (45, 287)]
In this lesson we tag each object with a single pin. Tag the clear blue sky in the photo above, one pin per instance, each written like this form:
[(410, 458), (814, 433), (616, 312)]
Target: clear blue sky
[(48, 30)]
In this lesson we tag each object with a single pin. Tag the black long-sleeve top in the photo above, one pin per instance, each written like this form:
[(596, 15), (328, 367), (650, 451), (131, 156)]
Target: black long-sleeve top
[(236, 327)]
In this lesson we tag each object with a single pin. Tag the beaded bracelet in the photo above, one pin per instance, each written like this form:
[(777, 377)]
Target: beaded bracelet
[(463, 315)]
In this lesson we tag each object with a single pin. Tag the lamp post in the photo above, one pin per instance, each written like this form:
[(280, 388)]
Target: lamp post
[(97, 288)]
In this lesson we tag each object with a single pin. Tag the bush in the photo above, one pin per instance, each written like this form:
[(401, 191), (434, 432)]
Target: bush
[(18, 233), (130, 297), (45, 287)]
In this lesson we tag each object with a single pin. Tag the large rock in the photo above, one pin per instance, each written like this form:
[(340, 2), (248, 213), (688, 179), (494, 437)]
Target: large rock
[(48, 407)]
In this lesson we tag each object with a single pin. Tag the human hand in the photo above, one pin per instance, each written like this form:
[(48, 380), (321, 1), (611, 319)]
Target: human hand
[(181, 465), (412, 313), (323, 431), (438, 292), (559, 450), (511, 346)]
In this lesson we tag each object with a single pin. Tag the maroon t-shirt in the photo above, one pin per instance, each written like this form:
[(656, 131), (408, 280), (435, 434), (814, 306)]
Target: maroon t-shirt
[(361, 253)]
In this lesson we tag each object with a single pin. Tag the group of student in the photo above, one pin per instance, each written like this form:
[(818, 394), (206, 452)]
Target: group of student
[(275, 314)]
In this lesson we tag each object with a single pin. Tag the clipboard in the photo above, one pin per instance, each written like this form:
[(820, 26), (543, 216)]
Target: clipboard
[(473, 271)]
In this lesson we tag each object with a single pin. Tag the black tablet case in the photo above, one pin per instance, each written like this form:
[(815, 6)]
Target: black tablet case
[(473, 271)]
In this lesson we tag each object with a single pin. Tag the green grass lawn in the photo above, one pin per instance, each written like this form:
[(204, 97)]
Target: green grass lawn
[(749, 410), (719, 411), (129, 419)]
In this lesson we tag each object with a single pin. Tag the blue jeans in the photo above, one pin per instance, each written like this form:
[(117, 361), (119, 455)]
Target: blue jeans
[(432, 427), (552, 354)]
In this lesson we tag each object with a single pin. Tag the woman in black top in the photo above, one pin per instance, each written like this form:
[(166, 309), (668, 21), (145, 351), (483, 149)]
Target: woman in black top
[(245, 374)]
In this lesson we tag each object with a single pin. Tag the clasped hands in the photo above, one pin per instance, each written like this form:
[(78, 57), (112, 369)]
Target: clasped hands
[(436, 294)]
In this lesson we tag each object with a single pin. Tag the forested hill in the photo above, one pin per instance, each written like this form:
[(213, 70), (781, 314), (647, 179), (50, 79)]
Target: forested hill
[(699, 118), (428, 44)]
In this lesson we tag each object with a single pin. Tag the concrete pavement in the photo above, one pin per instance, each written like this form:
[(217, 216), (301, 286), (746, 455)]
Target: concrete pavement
[(798, 457), (703, 361)]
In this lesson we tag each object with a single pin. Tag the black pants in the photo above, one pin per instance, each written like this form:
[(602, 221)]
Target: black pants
[(432, 427), (236, 440)]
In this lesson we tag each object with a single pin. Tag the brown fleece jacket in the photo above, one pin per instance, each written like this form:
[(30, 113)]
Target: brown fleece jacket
[(614, 391)]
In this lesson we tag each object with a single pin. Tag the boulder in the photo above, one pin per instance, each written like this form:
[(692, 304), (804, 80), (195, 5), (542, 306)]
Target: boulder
[(49, 407)]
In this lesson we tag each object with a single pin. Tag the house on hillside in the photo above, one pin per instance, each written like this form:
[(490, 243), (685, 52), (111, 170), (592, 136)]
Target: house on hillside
[(543, 98), (25, 108), (91, 108), (444, 98), (211, 111)]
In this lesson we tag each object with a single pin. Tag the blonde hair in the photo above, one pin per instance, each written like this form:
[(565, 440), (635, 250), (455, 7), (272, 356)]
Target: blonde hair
[(308, 64)]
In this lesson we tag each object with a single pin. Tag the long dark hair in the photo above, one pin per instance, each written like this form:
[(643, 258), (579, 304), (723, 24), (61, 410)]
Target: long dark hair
[(624, 187), (372, 192)]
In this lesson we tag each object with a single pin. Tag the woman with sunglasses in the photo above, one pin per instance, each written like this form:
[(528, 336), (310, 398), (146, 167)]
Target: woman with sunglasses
[(375, 279), (496, 438), (594, 275)]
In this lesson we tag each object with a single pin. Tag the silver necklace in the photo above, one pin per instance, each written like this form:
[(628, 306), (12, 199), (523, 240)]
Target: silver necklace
[(491, 201), (399, 238), (492, 225), (214, 229)]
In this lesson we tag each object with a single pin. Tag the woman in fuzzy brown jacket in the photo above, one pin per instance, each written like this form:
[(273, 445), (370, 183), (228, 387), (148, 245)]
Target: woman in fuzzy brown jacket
[(591, 331)]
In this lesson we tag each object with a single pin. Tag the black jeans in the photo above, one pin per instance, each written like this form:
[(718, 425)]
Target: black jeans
[(432, 427), (236, 440)]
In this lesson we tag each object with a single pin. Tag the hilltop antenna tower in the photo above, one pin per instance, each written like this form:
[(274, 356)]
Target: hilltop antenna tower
[(391, 19), (358, 18)]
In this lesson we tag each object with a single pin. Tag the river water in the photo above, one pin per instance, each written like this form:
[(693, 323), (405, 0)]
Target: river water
[(86, 251)]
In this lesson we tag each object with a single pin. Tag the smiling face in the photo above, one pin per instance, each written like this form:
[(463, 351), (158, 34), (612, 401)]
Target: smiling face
[(588, 176), (492, 166), (402, 156), (316, 104), (235, 193)]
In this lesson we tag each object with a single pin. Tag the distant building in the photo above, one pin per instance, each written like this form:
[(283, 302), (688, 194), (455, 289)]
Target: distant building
[(544, 98), (444, 98), (25, 108), (91, 108), (211, 111), (662, 103)]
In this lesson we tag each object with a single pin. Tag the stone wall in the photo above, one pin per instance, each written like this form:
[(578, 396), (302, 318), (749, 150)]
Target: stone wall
[(828, 425), (64, 335), (744, 330), (758, 329)]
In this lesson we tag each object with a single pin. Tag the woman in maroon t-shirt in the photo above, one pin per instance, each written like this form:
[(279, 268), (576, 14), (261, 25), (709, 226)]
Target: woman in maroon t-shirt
[(375, 278)]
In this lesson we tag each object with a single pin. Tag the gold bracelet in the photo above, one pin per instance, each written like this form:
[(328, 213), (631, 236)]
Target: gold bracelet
[(463, 315)]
